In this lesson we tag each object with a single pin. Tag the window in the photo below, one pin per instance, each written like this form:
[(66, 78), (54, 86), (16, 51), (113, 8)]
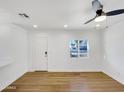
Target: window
[(79, 48), (83, 48), (73, 48)]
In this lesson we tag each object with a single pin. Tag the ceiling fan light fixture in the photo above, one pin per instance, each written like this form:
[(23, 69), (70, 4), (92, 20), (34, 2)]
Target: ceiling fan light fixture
[(100, 18)]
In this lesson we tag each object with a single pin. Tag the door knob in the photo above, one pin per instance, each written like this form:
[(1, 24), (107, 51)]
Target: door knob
[(45, 53)]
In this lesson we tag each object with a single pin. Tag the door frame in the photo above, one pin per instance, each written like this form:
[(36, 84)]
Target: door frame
[(40, 35)]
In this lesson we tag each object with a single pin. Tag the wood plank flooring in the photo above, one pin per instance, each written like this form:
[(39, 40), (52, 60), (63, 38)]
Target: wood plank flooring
[(65, 82)]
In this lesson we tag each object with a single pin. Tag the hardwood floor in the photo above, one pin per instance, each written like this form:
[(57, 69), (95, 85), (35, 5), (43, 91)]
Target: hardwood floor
[(65, 82)]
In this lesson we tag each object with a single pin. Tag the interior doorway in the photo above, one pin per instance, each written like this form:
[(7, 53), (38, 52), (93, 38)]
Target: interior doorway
[(40, 53)]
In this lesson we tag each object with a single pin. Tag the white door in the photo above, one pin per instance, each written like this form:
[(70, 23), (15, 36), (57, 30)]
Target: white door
[(40, 53)]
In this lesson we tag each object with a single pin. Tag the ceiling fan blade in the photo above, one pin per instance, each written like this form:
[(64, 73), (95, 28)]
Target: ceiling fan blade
[(96, 4), (90, 20), (115, 12)]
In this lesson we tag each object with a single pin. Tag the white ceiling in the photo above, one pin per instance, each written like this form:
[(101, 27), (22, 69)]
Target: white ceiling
[(53, 14)]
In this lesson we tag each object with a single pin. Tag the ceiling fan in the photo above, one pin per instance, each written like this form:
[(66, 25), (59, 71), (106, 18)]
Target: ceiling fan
[(24, 15), (100, 14)]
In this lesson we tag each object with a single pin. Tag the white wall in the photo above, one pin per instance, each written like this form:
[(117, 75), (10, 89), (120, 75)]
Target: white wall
[(58, 50), (113, 63), (13, 50)]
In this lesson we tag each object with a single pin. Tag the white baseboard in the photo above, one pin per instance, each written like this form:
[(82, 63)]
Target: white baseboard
[(11, 81), (61, 70), (115, 76)]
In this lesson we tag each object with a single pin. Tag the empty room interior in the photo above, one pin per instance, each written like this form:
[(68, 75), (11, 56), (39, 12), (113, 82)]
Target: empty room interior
[(61, 45)]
